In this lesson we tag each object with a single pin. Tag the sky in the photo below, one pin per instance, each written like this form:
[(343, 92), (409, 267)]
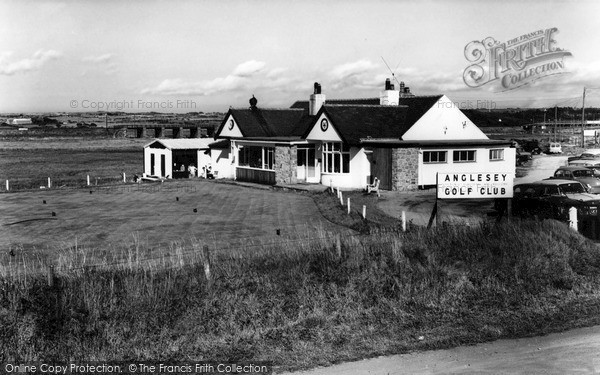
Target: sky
[(190, 56)]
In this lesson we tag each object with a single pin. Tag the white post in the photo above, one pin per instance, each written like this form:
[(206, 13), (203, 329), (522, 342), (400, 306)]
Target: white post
[(403, 221), (341, 199), (348, 206), (338, 192), (331, 185), (124, 180), (49, 183), (7, 187), (364, 212), (573, 218), (88, 180)]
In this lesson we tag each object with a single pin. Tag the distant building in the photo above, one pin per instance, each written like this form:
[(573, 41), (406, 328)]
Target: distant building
[(170, 158), (20, 121), (402, 139)]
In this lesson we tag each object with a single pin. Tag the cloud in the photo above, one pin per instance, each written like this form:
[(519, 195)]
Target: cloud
[(249, 68), (249, 76), (358, 74), (35, 62), (98, 59)]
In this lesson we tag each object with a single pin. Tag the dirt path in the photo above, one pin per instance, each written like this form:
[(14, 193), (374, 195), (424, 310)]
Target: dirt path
[(574, 351), (542, 166)]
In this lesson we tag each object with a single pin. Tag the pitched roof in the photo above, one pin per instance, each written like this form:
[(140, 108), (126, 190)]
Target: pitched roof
[(259, 122), (303, 104), (183, 143), (418, 106), (355, 122)]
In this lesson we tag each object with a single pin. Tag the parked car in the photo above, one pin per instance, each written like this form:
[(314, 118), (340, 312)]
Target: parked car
[(579, 173), (592, 153), (552, 199), (522, 156), (554, 148)]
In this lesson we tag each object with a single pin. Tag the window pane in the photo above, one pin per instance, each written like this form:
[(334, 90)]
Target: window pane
[(336, 163)]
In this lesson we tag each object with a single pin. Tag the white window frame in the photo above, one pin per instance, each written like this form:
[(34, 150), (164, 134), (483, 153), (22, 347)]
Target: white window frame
[(437, 153), (495, 151), (338, 154), (465, 160)]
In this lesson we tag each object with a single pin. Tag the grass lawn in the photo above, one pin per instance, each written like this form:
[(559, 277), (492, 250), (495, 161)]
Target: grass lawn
[(152, 217)]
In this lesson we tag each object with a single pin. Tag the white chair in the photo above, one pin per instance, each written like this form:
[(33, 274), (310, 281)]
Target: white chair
[(374, 187)]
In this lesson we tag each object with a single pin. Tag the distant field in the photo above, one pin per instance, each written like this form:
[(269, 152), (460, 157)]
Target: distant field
[(68, 161), (151, 218)]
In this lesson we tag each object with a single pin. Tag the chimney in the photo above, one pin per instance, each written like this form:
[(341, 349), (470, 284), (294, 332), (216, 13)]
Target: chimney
[(316, 100), (389, 96)]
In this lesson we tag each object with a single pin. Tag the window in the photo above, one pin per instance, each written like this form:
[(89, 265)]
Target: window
[(464, 155), (336, 158), (256, 157), (496, 154), (434, 156)]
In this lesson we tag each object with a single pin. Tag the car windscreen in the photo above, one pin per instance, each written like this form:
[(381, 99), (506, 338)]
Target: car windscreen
[(572, 188), (583, 173)]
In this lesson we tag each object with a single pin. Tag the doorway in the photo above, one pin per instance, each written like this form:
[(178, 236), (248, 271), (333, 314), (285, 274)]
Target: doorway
[(305, 169)]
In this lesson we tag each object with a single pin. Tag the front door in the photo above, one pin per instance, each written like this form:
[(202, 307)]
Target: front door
[(306, 170)]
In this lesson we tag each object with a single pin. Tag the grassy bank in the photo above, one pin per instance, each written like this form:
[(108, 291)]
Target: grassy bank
[(306, 304)]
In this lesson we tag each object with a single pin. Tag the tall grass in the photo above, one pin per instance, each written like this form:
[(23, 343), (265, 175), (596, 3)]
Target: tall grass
[(303, 303)]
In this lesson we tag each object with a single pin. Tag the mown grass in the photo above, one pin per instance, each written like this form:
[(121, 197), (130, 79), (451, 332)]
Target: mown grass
[(304, 303)]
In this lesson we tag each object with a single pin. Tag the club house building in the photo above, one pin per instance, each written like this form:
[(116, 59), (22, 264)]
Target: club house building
[(402, 139)]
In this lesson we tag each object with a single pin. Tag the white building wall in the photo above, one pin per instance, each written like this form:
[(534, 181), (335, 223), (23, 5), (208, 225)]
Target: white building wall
[(427, 172), (157, 162), (222, 163), (360, 171)]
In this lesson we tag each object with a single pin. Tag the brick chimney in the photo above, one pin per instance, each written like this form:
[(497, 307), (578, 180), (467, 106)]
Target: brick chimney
[(316, 100), (389, 96)]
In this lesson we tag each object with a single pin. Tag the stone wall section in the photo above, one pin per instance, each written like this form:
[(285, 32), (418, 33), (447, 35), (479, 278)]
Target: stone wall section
[(285, 164), (405, 169)]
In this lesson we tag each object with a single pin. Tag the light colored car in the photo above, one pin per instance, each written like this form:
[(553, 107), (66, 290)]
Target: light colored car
[(555, 148), (582, 174)]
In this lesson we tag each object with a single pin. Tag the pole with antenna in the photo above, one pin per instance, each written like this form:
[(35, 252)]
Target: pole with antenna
[(583, 120), (392, 71)]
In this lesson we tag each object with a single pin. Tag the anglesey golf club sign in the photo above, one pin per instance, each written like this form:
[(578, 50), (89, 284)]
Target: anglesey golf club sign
[(475, 185)]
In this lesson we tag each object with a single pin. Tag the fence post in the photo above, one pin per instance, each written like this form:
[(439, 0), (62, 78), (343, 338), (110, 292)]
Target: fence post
[(348, 206), (338, 192), (364, 212), (88, 180), (206, 261), (124, 179), (341, 199), (50, 276), (49, 183), (331, 185), (403, 221), (7, 187), (573, 218)]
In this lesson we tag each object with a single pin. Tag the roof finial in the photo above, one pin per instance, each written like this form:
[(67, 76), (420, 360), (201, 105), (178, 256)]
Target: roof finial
[(253, 102)]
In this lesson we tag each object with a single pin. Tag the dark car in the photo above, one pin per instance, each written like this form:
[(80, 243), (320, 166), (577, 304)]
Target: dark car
[(522, 156), (552, 199), (582, 174)]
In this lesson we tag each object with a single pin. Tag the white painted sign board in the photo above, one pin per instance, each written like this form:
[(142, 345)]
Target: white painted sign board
[(479, 185)]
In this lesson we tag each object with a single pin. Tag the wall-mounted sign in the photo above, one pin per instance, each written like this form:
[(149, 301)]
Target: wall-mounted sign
[(468, 185)]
